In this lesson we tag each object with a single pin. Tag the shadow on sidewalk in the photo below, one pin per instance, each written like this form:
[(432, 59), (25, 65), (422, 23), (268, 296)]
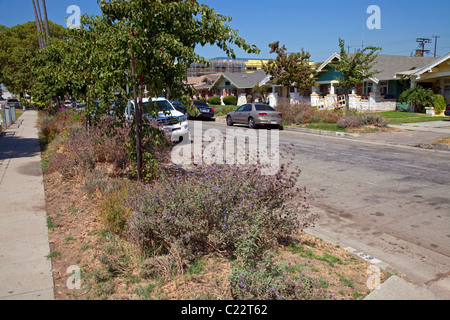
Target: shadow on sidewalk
[(12, 146)]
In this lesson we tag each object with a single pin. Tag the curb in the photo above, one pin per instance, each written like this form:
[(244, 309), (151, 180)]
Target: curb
[(440, 147), (312, 131), (323, 132), (396, 288)]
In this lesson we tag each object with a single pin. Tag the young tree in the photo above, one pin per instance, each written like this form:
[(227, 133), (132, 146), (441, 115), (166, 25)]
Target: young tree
[(354, 68), (141, 43), (290, 69)]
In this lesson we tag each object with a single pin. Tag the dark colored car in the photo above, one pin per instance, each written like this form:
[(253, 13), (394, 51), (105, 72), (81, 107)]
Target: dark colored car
[(206, 112), (447, 110), (179, 106)]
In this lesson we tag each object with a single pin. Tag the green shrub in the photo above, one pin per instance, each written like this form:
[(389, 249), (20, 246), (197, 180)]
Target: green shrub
[(208, 210), (349, 122), (230, 100), (114, 213), (439, 103), (214, 100), (374, 119)]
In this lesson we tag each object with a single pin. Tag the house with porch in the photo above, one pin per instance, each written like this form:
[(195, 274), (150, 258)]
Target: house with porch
[(202, 85), (238, 84), (377, 93), (435, 76)]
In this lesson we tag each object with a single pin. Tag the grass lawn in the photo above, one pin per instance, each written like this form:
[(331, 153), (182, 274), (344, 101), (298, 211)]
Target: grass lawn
[(325, 126), (222, 110), (398, 117)]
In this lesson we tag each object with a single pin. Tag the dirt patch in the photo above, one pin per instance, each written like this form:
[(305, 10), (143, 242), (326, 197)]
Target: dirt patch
[(445, 141), (78, 237)]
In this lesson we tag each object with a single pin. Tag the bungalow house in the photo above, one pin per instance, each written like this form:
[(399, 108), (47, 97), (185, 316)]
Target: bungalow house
[(238, 84), (435, 75), (202, 85), (379, 92)]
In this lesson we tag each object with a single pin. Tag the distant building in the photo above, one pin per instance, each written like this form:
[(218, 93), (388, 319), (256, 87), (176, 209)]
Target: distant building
[(220, 65)]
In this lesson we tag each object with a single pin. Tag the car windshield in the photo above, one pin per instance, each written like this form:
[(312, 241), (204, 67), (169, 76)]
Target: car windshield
[(13, 100), (161, 105), (263, 107)]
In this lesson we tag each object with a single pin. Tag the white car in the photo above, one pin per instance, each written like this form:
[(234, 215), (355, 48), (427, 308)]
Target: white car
[(171, 119)]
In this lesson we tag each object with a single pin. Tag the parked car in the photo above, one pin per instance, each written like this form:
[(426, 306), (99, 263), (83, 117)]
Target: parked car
[(165, 114), (447, 110), (70, 104), (254, 114), (179, 106), (14, 102), (206, 112)]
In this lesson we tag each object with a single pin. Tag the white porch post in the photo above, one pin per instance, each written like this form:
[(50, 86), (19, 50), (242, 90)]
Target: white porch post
[(332, 89)]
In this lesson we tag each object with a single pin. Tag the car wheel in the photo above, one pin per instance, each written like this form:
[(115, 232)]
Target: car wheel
[(229, 121), (251, 123)]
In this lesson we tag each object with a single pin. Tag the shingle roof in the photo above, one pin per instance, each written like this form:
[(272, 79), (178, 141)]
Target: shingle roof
[(244, 80), (388, 66)]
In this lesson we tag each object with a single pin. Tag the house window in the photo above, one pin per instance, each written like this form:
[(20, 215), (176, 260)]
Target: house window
[(384, 87), (368, 88), (227, 83), (447, 92)]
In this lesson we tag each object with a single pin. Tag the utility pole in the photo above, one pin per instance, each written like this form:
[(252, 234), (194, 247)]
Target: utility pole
[(435, 44), (422, 42)]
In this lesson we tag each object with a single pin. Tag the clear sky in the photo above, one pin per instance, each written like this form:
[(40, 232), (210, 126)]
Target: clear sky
[(312, 25)]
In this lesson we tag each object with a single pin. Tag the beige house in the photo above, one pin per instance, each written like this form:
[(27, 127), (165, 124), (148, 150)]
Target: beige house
[(435, 75)]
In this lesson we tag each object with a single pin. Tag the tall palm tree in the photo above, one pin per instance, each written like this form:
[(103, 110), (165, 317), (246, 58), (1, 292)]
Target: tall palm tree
[(38, 26), (44, 40), (47, 29)]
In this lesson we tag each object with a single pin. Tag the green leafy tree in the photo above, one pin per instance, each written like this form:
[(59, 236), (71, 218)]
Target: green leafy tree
[(20, 45), (141, 44), (290, 69), (354, 67)]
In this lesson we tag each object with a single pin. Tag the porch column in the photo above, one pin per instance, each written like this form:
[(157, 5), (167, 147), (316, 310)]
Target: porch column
[(332, 89)]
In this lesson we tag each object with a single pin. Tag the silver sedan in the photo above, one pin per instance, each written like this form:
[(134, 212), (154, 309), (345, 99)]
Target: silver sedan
[(255, 114)]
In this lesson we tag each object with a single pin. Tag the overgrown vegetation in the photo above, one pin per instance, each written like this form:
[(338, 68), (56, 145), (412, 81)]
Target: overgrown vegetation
[(302, 113), (156, 240)]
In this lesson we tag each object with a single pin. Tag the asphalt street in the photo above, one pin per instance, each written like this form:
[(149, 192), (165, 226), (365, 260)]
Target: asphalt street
[(391, 202)]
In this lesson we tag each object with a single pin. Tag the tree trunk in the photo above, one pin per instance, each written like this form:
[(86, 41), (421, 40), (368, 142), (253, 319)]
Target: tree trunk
[(138, 121), (38, 26), (41, 28), (47, 29)]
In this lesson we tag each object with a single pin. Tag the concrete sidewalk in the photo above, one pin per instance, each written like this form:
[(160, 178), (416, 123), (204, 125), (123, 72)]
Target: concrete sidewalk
[(25, 272)]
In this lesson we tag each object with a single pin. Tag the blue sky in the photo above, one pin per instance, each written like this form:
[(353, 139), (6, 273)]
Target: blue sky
[(313, 25)]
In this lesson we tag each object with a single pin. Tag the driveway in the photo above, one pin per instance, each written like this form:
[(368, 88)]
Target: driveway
[(430, 126)]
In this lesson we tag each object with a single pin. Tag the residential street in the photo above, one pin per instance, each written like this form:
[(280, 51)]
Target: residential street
[(390, 202)]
